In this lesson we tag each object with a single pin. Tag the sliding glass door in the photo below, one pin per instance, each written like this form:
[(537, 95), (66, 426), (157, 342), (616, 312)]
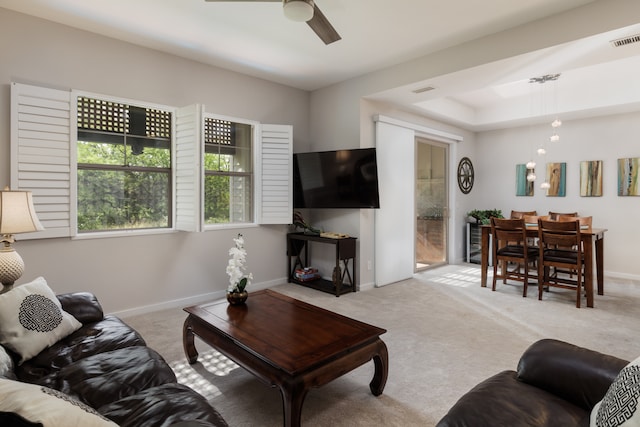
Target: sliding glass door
[(431, 204)]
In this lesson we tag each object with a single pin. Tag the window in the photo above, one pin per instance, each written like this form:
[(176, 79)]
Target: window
[(99, 164), (228, 171), (123, 166)]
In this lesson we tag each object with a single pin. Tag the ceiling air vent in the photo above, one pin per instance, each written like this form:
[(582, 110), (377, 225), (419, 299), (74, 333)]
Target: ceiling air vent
[(423, 89), (626, 40)]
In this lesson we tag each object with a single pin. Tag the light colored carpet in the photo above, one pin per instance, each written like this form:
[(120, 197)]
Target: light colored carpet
[(444, 334)]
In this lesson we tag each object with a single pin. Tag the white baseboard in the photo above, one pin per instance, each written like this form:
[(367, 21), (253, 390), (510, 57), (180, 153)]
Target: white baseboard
[(366, 286), (618, 275), (197, 299)]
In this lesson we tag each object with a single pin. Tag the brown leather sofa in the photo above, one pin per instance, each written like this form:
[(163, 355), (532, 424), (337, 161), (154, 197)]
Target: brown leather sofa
[(556, 384), (106, 365)]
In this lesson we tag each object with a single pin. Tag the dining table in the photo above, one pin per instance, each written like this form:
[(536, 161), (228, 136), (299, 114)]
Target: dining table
[(590, 236)]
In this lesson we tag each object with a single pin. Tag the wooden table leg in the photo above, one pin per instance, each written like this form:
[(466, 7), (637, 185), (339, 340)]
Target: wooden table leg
[(294, 390), (293, 395), (188, 342), (484, 255), (600, 263), (588, 268), (381, 363)]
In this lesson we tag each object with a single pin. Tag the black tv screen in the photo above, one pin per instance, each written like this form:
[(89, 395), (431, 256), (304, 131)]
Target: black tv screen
[(336, 179)]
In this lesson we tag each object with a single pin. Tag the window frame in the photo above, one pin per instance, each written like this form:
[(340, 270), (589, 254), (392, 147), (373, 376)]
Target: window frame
[(253, 175), (75, 234)]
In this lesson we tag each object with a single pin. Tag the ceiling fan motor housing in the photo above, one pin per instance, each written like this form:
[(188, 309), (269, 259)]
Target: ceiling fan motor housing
[(298, 10)]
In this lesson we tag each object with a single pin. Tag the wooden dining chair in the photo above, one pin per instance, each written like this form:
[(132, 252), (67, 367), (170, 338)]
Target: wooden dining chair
[(560, 248), (555, 215), (533, 219), (510, 245), (521, 214), (525, 214), (585, 224), (585, 221)]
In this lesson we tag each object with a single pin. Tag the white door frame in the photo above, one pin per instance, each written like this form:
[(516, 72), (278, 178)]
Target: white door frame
[(395, 220)]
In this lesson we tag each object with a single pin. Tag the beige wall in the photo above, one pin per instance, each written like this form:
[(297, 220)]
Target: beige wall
[(142, 272), (147, 272), (334, 109), (605, 138)]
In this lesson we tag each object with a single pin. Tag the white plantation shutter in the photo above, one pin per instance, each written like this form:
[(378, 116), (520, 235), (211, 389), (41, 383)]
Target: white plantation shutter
[(41, 155), (275, 190), (188, 169), (43, 161)]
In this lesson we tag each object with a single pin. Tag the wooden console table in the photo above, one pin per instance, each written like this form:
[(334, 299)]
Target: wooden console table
[(298, 257)]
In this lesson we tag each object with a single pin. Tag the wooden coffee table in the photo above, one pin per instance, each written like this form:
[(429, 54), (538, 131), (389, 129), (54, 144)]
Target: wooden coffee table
[(287, 343)]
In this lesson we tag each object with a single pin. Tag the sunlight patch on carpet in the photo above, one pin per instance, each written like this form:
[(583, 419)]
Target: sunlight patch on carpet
[(210, 362), (459, 277)]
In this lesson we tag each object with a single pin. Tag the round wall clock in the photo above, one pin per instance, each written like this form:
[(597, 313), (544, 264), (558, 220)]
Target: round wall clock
[(465, 175)]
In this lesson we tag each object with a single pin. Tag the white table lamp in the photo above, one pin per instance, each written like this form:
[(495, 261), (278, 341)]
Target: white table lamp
[(17, 215)]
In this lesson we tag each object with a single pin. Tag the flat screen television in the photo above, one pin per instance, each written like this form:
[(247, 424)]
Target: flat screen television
[(336, 179)]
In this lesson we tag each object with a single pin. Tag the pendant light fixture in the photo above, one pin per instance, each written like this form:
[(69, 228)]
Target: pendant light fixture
[(555, 124)]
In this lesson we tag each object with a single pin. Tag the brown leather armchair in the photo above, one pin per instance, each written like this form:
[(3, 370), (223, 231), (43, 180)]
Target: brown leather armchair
[(555, 384)]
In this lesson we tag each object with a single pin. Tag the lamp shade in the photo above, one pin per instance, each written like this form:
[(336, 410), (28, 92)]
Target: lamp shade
[(17, 214), (298, 10)]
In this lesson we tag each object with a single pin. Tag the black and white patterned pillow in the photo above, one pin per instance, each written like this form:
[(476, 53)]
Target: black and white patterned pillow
[(620, 406), (31, 319)]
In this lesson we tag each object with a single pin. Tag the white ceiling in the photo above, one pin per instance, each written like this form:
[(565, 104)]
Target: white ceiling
[(255, 38), (595, 79)]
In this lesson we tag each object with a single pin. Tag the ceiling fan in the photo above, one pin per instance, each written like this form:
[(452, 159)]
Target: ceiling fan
[(304, 10)]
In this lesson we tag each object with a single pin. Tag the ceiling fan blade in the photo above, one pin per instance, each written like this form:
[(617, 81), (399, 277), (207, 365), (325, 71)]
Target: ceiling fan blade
[(319, 23), (321, 26)]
